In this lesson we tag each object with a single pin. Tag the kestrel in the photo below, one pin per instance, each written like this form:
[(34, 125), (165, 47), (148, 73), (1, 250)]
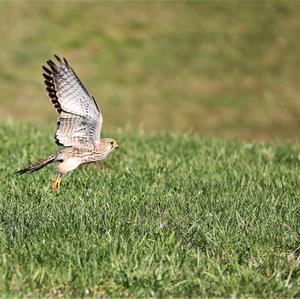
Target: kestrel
[(79, 122)]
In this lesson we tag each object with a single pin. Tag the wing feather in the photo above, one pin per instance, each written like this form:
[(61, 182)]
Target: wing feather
[(80, 119)]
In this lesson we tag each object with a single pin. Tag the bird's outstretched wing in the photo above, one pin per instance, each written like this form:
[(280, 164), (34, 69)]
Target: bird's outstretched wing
[(80, 120)]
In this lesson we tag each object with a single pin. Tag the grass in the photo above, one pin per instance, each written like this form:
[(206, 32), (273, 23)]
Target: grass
[(219, 69), (166, 215), (169, 214)]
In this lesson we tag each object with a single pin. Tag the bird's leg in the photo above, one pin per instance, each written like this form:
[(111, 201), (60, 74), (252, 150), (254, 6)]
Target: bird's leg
[(56, 183)]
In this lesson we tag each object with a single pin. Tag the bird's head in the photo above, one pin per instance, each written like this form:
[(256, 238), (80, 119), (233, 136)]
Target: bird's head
[(108, 144)]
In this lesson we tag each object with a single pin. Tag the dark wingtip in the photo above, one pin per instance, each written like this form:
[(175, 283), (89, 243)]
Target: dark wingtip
[(47, 77), (50, 89), (47, 70), (57, 57), (52, 65), (50, 62), (65, 61)]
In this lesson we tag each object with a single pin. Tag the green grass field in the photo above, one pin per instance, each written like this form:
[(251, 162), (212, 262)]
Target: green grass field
[(178, 214), (166, 215), (215, 68)]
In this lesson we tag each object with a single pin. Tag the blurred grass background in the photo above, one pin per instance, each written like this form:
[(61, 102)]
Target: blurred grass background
[(222, 69)]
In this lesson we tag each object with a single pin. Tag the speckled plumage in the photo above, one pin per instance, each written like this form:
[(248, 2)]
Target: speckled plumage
[(78, 125)]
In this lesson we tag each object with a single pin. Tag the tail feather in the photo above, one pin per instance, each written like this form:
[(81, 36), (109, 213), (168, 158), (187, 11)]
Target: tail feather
[(37, 165)]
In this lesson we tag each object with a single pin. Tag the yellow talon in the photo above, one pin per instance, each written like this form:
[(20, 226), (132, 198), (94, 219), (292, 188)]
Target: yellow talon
[(56, 183)]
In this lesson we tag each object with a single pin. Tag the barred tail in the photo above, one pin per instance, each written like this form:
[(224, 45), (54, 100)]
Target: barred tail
[(37, 165)]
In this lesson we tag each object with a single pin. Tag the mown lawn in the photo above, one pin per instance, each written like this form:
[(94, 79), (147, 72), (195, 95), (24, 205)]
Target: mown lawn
[(165, 215)]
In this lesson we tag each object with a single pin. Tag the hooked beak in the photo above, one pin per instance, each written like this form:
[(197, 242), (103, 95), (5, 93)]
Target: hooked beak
[(116, 145)]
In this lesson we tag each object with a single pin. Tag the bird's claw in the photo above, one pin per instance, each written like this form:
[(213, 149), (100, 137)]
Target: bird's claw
[(56, 183)]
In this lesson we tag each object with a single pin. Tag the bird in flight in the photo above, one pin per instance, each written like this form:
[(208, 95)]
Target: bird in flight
[(79, 122)]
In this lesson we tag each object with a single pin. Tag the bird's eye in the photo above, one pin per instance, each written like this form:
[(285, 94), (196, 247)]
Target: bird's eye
[(112, 143)]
